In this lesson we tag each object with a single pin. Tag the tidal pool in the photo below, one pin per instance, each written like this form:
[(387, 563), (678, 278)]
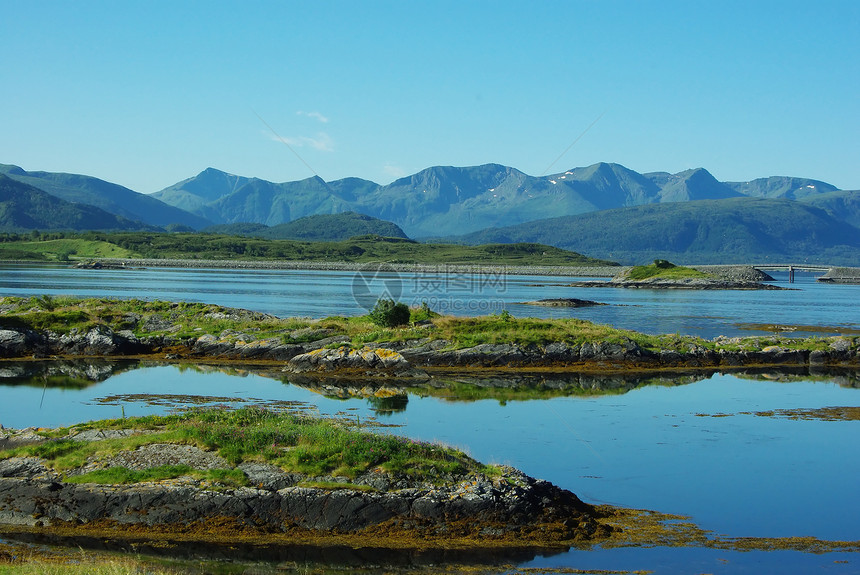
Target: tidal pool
[(722, 449)]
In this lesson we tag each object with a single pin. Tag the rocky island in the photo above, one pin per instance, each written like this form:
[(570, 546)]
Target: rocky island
[(221, 472), (666, 275)]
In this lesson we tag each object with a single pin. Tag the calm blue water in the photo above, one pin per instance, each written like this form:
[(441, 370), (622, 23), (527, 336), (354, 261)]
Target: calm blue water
[(324, 293), (740, 475), (655, 447)]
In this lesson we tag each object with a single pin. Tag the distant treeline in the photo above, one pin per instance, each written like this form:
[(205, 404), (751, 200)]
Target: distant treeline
[(370, 248)]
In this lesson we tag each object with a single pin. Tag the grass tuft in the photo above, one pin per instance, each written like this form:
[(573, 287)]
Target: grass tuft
[(297, 443)]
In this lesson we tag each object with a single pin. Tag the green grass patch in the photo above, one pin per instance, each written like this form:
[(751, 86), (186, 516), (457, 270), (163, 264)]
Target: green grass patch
[(295, 442), (663, 270), (80, 563), (63, 454), (501, 329), (315, 446), (63, 250), (122, 475)]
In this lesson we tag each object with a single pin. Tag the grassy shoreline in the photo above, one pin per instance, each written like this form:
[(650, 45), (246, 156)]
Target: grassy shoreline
[(177, 330)]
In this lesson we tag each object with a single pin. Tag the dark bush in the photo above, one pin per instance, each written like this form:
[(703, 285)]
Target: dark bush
[(389, 314)]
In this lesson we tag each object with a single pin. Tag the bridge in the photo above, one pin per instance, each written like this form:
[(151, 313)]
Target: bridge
[(791, 268), (795, 267), (830, 273)]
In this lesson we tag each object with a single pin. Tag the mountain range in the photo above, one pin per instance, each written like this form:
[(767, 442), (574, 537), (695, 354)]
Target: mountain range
[(318, 228), (644, 213), (112, 198), (24, 208), (737, 230), (444, 200)]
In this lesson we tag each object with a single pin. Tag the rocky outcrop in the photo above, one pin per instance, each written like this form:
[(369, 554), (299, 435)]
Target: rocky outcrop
[(326, 357), (720, 278), (694, 284), (736, 273), (102, 341), (563, 302), (371, 361), (727, 352), (841, 276), (506, 504), (98, 341)]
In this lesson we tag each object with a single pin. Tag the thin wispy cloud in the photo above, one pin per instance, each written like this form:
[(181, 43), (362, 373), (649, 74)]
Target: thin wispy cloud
[(315, 115), (393, 171), (322, 142)]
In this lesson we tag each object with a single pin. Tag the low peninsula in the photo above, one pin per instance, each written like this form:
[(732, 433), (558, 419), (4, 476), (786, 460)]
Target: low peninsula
[(420, 345)]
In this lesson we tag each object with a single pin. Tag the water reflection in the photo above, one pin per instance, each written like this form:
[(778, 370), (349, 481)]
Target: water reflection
[(635, 440), (391, 396), (335, 556), (64, 374)]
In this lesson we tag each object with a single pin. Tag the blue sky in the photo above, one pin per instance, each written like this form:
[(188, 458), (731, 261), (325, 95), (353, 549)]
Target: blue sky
[(148, 93)]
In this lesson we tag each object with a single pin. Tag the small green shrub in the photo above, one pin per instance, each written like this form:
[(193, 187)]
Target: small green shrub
[(387, 313), (46, 302), (422, 313)]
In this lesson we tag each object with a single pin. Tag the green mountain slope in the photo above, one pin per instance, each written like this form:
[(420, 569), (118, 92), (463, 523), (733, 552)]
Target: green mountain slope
[(441, 200), (205, 187), (359, 249), (245, 229), (690, 185), (24, 207), (782, 187), (706, 231), (842, 205), (332, 228), (109, 197), (226, 199)]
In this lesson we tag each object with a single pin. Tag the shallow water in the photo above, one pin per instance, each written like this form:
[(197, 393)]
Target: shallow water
[(645, 446), (686, 448), (323, 293)]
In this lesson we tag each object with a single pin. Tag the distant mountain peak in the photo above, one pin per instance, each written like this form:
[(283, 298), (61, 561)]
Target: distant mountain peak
[(438, 200)]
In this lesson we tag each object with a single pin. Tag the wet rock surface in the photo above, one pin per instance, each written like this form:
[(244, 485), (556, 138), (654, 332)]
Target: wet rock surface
[(368, 361)]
